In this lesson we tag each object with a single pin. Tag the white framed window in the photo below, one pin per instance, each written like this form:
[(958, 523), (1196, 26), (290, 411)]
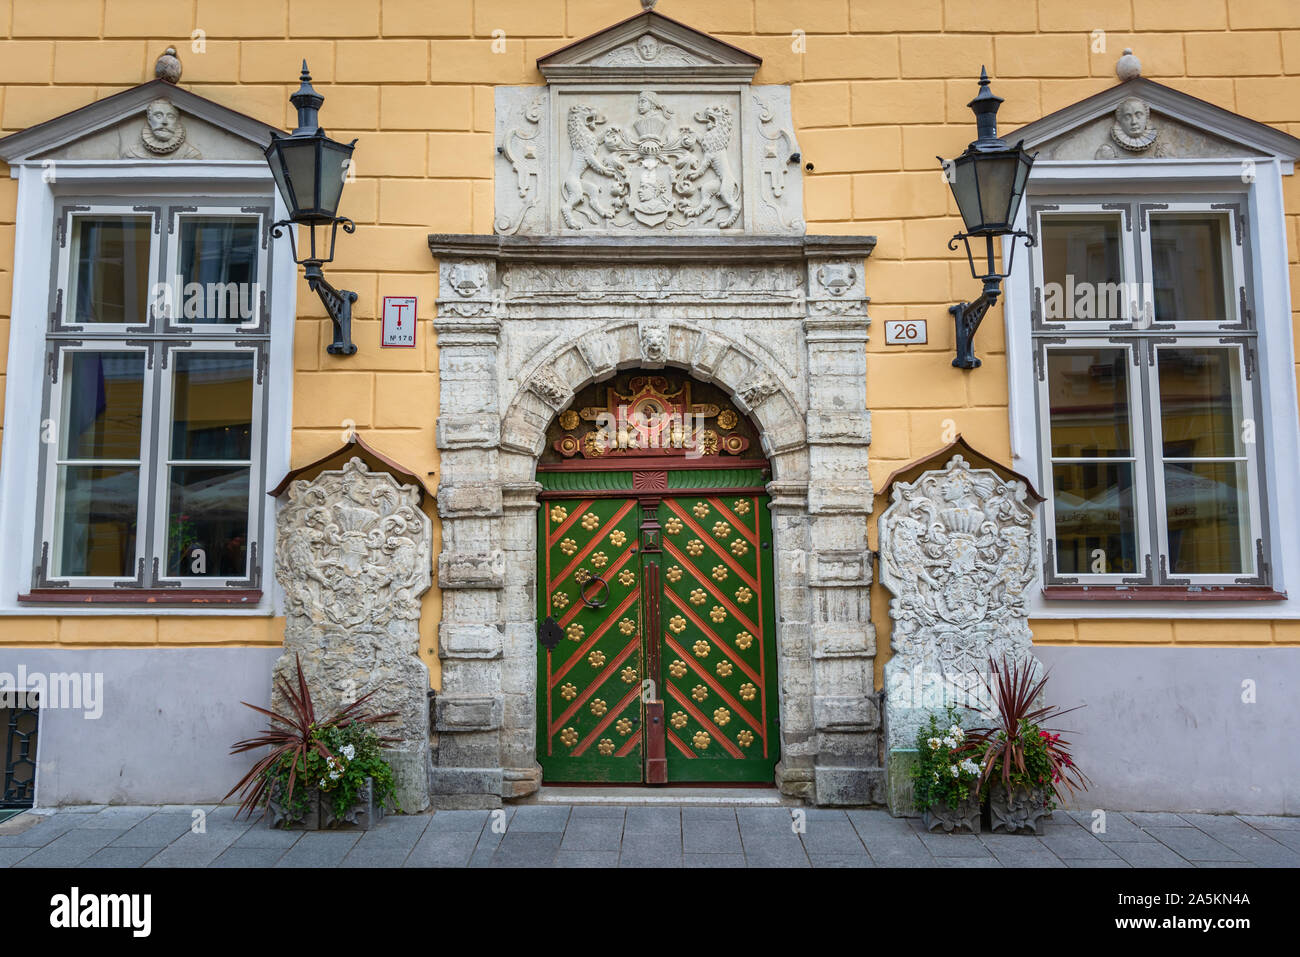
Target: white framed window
[(152, 464), (1147, 395)]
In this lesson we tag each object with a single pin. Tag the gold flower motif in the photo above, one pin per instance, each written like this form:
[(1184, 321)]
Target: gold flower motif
[(673, 525), (678, 720), (568, 691), (719, 614), (677, 668), (745, 738), (739, 547), (695, 547), (727, 419), (748, 691), (568, 546), (623, 726), (626, 578), (582, 575), (740, 506), (699, 692), (606, 747), (628, 675), (743, 595), (700, 509), (598, 707), (723, 669), (697, 596), (569, 420), (596, 659), (675, 573), (559, 600), (701, 740), (575, 631), (719, 573), (721, 529), (599, 560), (627, 626), (701, 649), (569, 736), (721, 716), (558, 514), (618, 537), (590, 521), (677, 624), (744, 640)]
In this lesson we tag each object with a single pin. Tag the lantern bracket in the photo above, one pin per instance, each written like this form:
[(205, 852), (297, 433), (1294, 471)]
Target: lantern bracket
[(337, 302), (969, 315)]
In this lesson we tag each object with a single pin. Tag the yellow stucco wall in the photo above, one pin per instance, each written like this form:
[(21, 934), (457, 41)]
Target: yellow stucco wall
[(879, 89)]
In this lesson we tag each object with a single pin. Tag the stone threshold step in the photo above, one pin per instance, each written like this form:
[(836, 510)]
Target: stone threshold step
[(663, 797)]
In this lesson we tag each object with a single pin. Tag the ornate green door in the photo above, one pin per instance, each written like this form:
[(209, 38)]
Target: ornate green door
[(656, 654)]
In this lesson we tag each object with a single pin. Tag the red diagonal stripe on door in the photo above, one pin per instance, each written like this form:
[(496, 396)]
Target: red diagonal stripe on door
[(708, 583), (614, 712), (708, 725), (706, 537), (593, 637), (581, 556), (629, 744), (720, 691), (603, 676), (554, 536), (680, 747), (740, 662)]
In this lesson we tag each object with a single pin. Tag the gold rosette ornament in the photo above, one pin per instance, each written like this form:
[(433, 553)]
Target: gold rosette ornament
[(701, 649), (701, 740), (678, 720), (700, 509), (605, 747), (569, 737), (558, 514), (677, 624)]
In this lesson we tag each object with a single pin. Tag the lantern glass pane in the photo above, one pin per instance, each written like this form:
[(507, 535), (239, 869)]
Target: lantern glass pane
[(996, 173), (300, 168), (333, 174), (966, 192)]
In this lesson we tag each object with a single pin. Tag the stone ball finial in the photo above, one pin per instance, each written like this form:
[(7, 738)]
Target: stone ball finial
[(168, 67), (1128, 67)]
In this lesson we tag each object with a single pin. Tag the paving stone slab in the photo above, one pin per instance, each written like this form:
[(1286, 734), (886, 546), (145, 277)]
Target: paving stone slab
[(528, 848), (68, 849), (1288, 838), (1148, 854), (709, 830), (1020, 850), (463, 820), (1272, 822), (1150, 819), (119, 816), (451, 848), (1193, 844), (593, 834), (584, 812), (319, 849), (588, 859), (834, 836), (157, 830), (1076, 844), (989, 861), (1254, 845), (653, 820), (1113, 861), (259, 835), (248, 857), (120, 857), (713, 860), (840, 860), (952, 845), (650, 855), (197, 850), (539, 818), (1118, 828), (9, 856)]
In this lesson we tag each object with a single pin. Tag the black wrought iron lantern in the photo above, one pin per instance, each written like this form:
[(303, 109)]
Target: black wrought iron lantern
[(310, 170), (988, 182)]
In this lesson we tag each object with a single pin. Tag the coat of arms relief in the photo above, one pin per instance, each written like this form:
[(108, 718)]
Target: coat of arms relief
[(657, 162)]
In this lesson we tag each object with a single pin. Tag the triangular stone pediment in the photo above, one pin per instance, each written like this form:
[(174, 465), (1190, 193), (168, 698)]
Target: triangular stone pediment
[(118, 128), (649, 46), (1142, 119)]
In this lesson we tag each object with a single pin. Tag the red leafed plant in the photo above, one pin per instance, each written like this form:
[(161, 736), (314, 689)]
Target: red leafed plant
[(293, 739), (1017, 746)]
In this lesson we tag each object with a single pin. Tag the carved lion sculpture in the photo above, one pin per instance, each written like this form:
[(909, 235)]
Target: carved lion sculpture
[(583, 143), (716, 139)]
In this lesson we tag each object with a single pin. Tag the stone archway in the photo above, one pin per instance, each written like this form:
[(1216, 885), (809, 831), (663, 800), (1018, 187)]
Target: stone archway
[(512, 358)]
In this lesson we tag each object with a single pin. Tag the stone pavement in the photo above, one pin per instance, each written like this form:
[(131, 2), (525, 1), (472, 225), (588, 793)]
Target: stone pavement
[(623, 836)]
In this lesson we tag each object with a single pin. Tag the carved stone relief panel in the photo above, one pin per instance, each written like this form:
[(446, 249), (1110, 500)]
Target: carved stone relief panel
[(1133, 130)]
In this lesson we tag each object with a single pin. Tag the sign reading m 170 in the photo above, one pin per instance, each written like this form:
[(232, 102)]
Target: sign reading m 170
[(399, 321)]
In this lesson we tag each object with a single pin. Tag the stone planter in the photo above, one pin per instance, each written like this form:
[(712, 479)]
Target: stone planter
[(364, 814), (964, 817), (293, 820), (1018, 811)]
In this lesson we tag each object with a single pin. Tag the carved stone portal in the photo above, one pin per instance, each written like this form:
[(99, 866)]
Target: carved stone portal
[(353, 555), (958, 553)]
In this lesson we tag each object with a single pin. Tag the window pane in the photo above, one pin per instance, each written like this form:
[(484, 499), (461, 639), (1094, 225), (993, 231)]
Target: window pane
[(1088, 396), (207, 522), (1082, 271), (110, 263), (103, 404), (97, 509), (212, 405), (218, 264), (1200, 402), (1094, 512), (1187, 262), (1206, 505)]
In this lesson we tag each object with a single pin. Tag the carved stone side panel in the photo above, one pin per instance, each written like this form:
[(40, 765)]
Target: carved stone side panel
[(959, 554), (353, 555)]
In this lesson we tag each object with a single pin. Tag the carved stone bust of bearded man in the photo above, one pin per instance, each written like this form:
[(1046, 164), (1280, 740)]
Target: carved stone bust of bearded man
[(162, 136)]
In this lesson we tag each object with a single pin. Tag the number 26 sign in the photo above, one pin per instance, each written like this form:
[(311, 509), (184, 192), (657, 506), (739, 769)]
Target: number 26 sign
[(399, 321), (905, 332)]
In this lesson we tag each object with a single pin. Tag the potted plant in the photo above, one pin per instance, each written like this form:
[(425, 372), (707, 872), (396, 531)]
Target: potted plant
[(1024, 765), (327, 772), (945, 779)]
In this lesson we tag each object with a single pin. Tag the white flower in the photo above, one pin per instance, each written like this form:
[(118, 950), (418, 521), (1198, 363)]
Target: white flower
[(949, 742), (970, 767), (952, 769), (348, 751), (322, 782), (934, 744), (935, 775), (957, 733)]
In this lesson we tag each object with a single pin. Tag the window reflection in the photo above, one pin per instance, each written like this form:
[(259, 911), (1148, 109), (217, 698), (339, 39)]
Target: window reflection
[(110, 263)]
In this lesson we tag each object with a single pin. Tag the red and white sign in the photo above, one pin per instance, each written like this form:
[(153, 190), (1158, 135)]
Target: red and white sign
[(905, 332), (399, 322)]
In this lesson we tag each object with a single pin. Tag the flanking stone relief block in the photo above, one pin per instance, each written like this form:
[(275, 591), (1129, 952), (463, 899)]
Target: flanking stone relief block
[(958, 553), (353, 555)]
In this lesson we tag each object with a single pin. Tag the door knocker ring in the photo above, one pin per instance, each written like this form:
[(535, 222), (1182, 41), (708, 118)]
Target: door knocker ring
[(592, 602)]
